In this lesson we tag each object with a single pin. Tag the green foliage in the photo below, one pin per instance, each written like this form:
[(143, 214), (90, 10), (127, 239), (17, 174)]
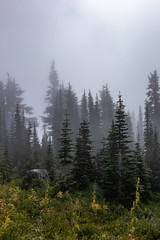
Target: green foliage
[(35, 214), (83, 165)]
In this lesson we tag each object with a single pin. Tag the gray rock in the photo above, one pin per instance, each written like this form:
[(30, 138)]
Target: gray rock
[(38, 174)]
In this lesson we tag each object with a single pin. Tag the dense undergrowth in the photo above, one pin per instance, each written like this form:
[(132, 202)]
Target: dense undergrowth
[(44, 213)]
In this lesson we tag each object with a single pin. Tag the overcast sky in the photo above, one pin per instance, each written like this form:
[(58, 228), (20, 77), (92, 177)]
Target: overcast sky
[(93, 42)]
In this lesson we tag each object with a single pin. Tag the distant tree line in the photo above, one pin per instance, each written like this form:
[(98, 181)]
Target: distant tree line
[(93, 140)]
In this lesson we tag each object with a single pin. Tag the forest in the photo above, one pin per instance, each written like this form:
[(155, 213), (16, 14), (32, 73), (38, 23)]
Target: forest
[(103, 164)]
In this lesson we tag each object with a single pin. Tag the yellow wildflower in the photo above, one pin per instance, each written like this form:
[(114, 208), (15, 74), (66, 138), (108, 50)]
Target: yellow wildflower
[(60, 194)]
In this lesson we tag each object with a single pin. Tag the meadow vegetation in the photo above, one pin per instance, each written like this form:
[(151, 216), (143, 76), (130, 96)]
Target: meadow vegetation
[(44, 212)]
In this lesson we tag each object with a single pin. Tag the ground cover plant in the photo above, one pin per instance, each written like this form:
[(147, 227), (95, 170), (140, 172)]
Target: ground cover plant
[(45, 213)]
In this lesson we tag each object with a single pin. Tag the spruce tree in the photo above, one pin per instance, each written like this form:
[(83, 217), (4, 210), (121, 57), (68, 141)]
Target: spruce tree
[(142, 171), (107, 110), (83, 163), (5, 166), (84, 107), (110, 167), (148, 137), (153, 100), (50, 99), (65, 154), (126, 162), (49, 160), (140, 127), (72, 109)]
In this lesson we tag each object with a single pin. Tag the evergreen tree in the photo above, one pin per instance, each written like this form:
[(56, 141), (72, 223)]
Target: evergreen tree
[(140, 127), (83, 164), (107, 110), (84, 107), (50, 98), (126, 162), (148, 137), (49, 160), (29, 164), (72, 109), (58, 118), (97, 122), (91, 112), (5, 166), (35, 148), (110, 167), (65, 155), (130, 130), (142, 171), (153, 99)]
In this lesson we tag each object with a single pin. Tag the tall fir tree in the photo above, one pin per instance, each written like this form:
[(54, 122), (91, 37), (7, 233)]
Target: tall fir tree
[(140, 133), (107, 110), (72, 109), (49, 160), (148, 137), (142, 171), (84, 107), (50, 98), (65, 154), (83, 173), (126, 162), (153, 99), (110, 166), (6, 166)]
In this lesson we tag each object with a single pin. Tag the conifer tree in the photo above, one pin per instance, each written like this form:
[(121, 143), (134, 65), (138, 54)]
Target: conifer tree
[(148, 137), (5, 166), (142, 171), (140, 127), (58, 115), (107, 109), (83, 163), (153, 100), (84, 107), (72, 109), (97, 124), (110, 167), (35, 148), (91, 112), (65, 154), (49, 160), (126, 162), (50, 98)]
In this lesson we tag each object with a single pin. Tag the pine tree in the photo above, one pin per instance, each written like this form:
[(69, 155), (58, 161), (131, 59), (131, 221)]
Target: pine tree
[(65, 155), (5, 166), (49, 160), (35, 148), (91, 112), (110, 167), (72, 109), (140, 127), (29, 164), (126, 162), (50, 98), (153, 99), (58, 115), (83, 163), (142, 171), (148, 137), (84, 107), (107, 110), (97, 124)]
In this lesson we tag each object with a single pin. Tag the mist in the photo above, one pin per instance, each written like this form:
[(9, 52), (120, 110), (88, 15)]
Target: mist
[(91, 42)]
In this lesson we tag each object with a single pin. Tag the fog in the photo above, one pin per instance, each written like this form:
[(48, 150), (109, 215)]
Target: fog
[(93, 42)]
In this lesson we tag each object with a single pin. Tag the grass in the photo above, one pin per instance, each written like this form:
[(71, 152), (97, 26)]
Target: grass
[(42, 214)]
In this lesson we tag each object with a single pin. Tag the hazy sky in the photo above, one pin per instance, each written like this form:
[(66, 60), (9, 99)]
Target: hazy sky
[(92, 42)]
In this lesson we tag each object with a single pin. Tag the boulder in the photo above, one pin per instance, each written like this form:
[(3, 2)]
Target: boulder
[(38, 174)]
